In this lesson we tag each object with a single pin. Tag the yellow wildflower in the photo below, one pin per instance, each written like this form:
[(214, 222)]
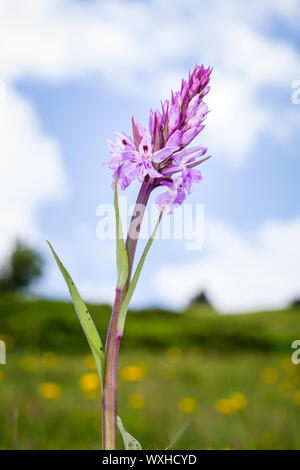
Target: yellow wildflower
[(49, 390), (297, 397), (133, 373), (288, 366), (90, 362), (49, 359), (188, 405), (225, 406), (269, 375), (239, 401), (29, 363), (136, 401), (90, 384)]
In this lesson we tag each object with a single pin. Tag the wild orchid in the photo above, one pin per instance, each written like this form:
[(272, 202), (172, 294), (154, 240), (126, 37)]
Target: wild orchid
[(157, 157)]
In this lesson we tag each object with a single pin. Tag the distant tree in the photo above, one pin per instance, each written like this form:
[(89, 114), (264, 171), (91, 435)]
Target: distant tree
[(296, 303), (200, 299), (23, 267)]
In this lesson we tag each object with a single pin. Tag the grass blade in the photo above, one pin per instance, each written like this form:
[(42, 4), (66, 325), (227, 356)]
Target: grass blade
[(178, 435)]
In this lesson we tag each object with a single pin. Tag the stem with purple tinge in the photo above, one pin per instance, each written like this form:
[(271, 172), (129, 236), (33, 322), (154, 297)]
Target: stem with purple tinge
[(136, 221), (113, 339), (109, 398)]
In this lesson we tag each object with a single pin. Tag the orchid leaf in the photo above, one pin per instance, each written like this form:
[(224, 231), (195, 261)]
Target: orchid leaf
[(84, 317), (131, 289), (130, 442), (122, 258)]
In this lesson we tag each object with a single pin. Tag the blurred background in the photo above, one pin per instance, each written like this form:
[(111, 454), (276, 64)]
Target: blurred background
[(71, 73)]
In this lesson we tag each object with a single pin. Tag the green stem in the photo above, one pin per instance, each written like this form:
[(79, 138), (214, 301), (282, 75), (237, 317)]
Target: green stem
[(109, 398), (114, 336), (136, 221)]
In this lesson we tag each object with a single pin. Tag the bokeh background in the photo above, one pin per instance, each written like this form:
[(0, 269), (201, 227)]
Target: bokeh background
[(71, 73)]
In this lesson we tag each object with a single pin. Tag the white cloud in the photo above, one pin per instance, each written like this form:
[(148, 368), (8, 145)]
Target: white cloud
[(98, 292), (142, 48), (239, 274), (235, 118), (30, 169)]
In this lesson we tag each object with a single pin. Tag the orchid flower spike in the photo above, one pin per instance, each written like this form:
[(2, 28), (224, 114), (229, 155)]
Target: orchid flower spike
[(162, 152)]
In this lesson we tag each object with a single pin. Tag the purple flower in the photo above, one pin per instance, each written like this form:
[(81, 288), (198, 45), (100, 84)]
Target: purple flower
[(175, 196), (131, 161), (189, 177), (163, 152), (172, 198)]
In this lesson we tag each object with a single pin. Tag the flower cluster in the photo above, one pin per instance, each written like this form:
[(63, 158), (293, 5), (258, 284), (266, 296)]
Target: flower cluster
[(162, 152)]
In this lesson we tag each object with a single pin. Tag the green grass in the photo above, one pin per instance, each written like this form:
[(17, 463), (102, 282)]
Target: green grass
[(216, 356)]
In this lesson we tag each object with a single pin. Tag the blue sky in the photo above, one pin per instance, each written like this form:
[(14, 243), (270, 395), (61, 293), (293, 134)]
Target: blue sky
[(85, 68)]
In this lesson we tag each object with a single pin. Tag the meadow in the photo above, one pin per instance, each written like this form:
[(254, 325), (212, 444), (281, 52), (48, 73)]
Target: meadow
[(219, 382)]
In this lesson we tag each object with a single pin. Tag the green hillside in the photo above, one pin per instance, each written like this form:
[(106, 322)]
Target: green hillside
[(230, 377), (44, 324)]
